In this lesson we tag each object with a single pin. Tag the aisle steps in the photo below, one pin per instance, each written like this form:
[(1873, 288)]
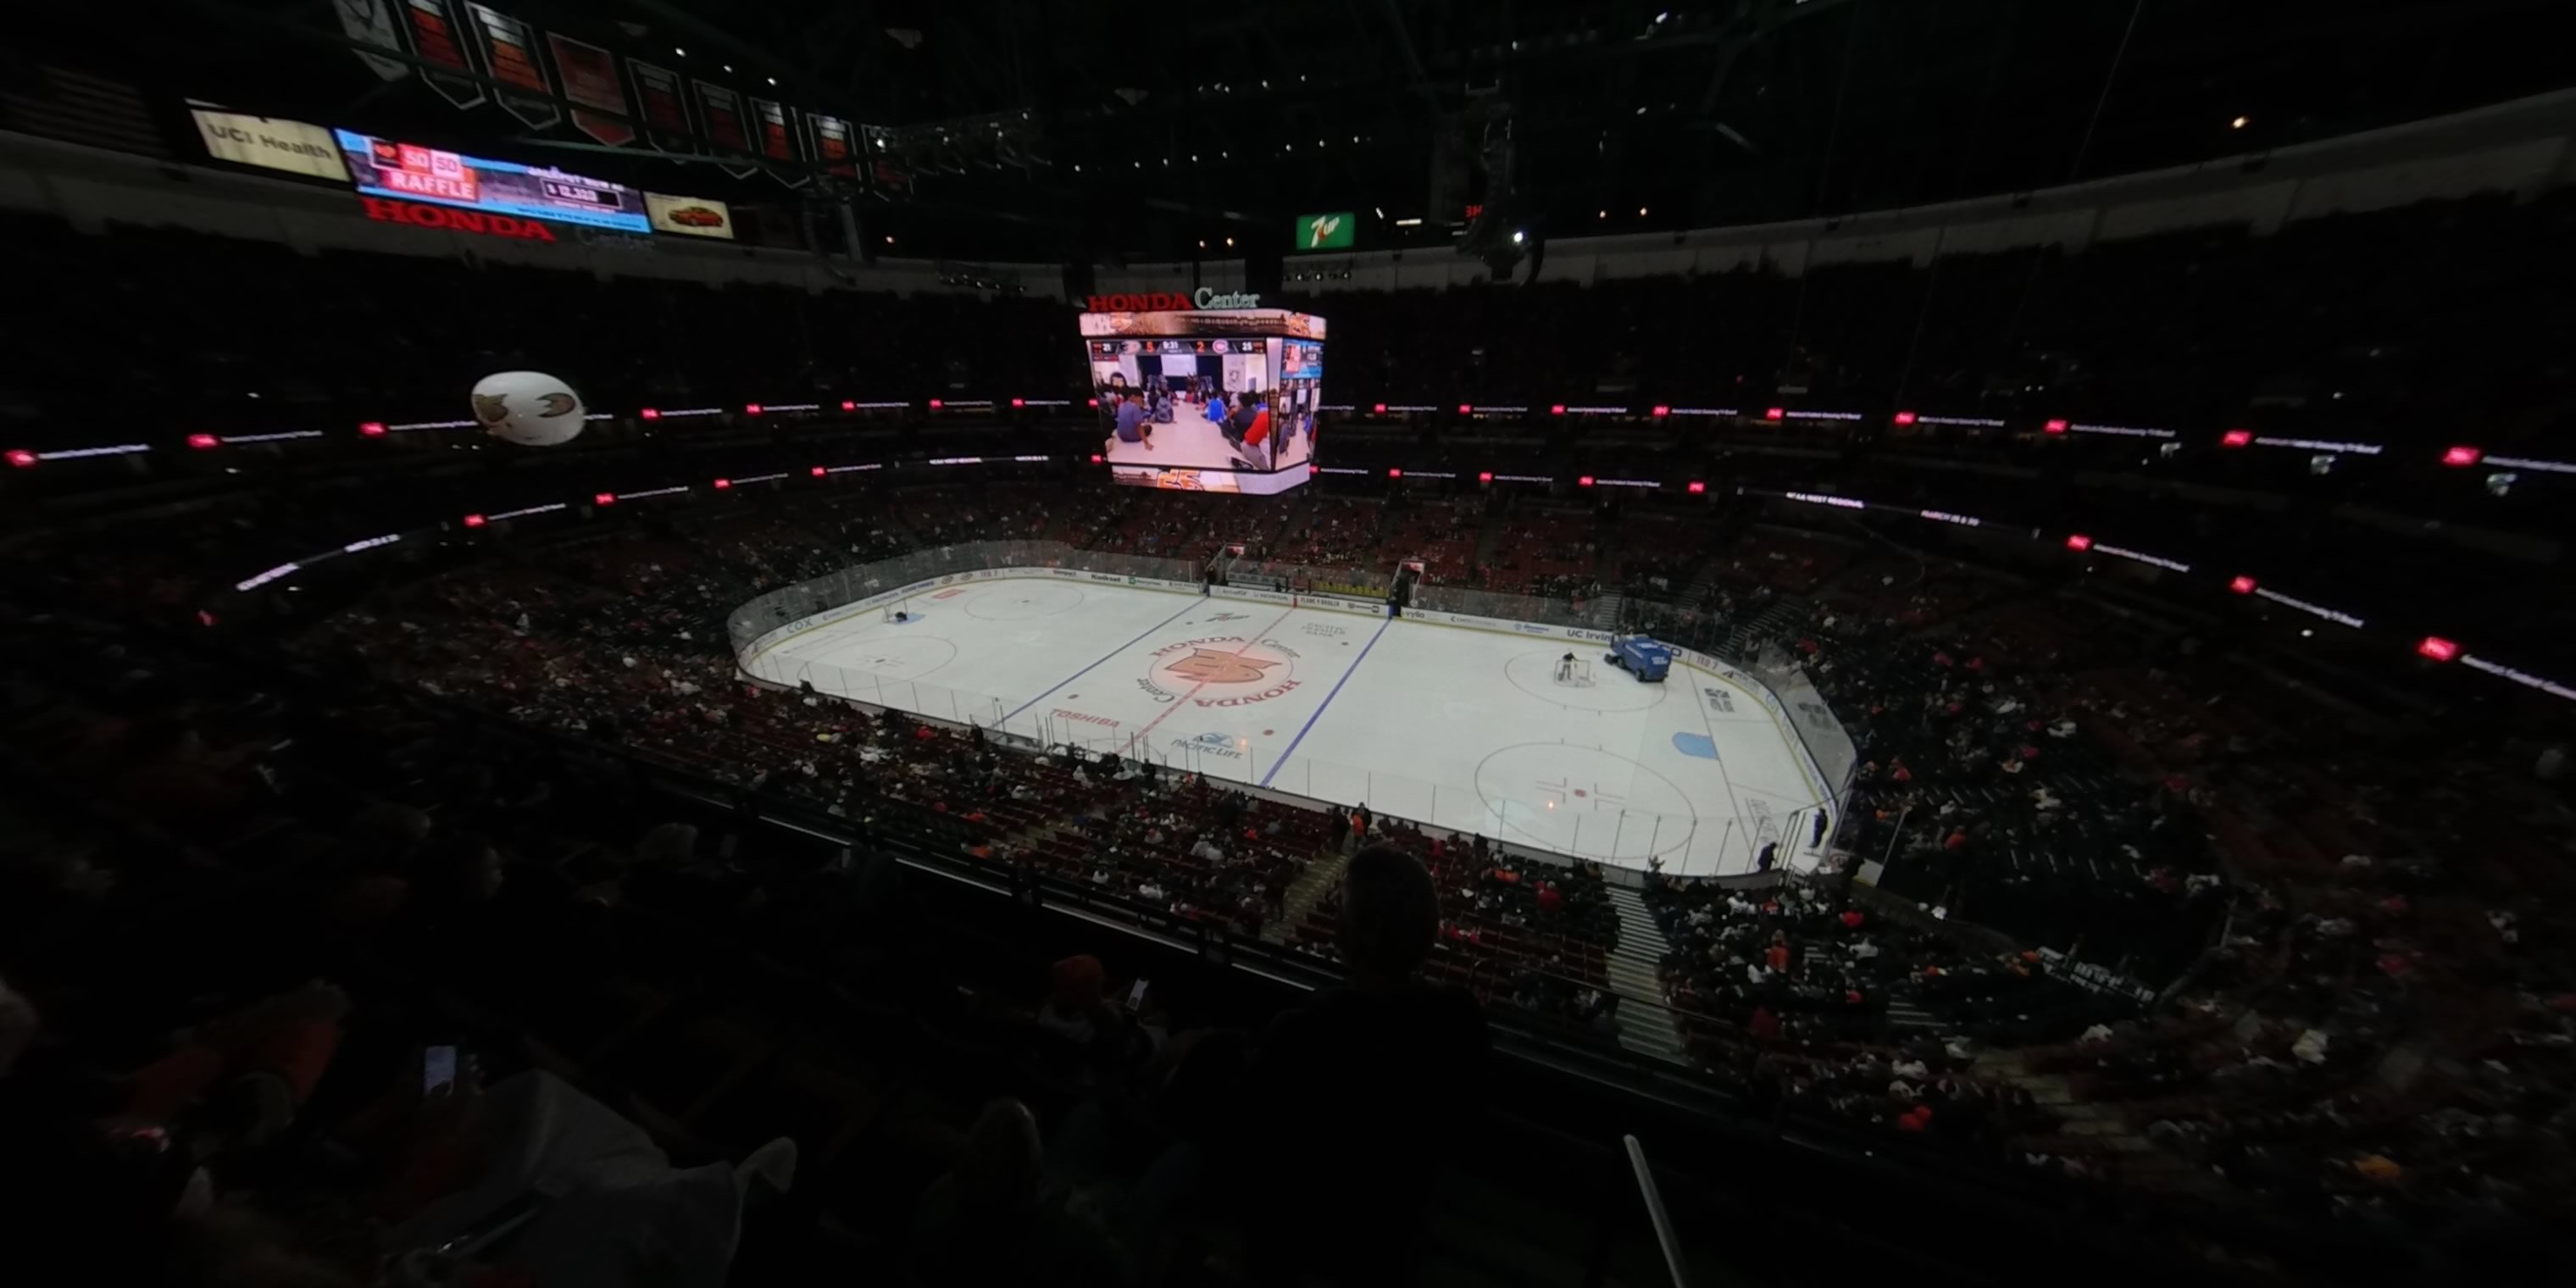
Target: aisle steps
[(1645, 1026)]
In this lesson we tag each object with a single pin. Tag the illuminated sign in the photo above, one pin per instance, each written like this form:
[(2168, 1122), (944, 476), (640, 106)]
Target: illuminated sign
[(2313, 610), (2122, 431), (2138, 556), (2524, 678), (2311, 444), (1170, 301), (262, 579), (385, 168), (1819, 498), (1331, 231), (418, 215)]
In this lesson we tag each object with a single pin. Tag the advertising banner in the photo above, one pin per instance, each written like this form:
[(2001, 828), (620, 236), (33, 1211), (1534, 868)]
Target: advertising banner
[(665, 110), (721, 109), (384, 168), (434, 37), (1329, 231), (590, 79), (689, 216), (371, 23), (291, 146), (510, 50)]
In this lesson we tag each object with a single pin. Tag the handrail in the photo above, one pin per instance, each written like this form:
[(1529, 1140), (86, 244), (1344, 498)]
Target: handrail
[(1663, 1221)]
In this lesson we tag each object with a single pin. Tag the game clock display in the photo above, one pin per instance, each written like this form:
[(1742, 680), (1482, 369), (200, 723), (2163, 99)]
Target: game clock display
[(1207, 400)]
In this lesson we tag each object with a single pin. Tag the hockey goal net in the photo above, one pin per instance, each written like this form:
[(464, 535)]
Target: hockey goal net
[(1574, 671)]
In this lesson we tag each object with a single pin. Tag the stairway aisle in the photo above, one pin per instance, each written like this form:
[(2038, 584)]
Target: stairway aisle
[(1608, 612), (1644, 1025), (1304, 893)]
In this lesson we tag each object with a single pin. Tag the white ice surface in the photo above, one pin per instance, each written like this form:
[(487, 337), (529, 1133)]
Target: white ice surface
[(1457, 728)]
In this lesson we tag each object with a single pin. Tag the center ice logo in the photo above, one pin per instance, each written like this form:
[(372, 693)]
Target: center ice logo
[(1211, 666), (1181, 669)]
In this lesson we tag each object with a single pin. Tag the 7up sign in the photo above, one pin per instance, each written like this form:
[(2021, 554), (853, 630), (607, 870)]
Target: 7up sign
[(1325, 232)]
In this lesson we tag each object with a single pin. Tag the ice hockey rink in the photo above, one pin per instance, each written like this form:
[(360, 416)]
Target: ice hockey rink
[(1456, 727)]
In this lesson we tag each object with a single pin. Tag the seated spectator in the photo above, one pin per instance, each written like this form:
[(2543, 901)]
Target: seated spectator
[(995, 1219), (1369, 1086)]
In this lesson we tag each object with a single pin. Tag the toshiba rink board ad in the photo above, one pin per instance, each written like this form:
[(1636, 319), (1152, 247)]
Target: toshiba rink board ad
[(1207, 393), (384, 168)]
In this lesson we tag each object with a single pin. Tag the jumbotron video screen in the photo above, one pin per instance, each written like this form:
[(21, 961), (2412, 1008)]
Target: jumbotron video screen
[(1210, 400)]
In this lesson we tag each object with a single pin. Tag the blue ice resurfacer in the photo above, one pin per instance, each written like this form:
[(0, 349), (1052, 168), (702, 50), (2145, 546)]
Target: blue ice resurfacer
[(1641, 657)]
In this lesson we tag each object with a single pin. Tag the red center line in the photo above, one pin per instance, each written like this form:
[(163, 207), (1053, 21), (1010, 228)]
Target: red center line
[(1184, 698)]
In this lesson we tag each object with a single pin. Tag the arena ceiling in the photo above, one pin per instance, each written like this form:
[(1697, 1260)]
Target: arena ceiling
[(1141, 130)]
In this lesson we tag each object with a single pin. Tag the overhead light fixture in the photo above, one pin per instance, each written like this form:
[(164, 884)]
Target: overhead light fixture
[(1408, 223), (1518, 236), (1381, 211), (2237, 124), (1661, 17), (1641, 212), (773, 80), (728, 66), (1229, 241)]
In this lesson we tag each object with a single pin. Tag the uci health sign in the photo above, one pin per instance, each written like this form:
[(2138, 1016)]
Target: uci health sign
[(291, 146), (1331, 231)]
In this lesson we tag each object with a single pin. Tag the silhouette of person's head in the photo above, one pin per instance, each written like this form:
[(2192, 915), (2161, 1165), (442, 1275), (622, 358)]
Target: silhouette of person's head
[(1390, 913)]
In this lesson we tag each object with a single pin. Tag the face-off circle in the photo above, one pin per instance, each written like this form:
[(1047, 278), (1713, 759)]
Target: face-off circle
[(1586, 801), (895, 657)]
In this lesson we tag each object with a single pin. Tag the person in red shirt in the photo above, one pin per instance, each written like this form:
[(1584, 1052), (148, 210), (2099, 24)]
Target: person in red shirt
[(1258, 434), (1549, 901)]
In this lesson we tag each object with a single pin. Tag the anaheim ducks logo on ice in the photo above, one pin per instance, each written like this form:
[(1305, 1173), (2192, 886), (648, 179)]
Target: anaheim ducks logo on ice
[(1210, 666), (1206, 671)]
